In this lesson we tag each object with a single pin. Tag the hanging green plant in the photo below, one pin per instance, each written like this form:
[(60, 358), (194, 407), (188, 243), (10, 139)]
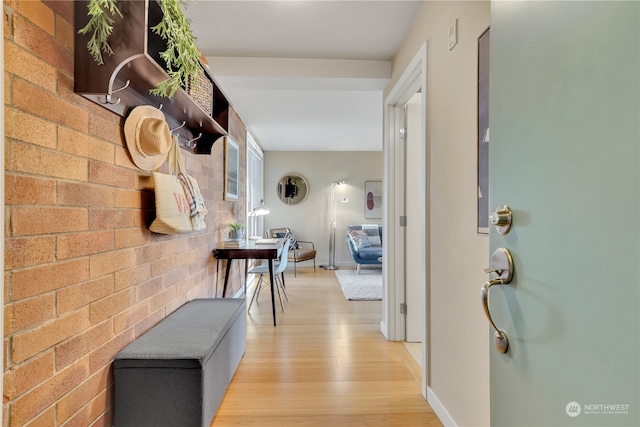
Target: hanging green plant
[(101, 23), (182, 56)]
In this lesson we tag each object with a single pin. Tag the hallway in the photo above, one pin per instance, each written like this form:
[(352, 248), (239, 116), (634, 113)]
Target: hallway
[(326, 363)]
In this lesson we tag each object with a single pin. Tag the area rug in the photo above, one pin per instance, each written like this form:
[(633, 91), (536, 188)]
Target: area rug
[(366, 286)]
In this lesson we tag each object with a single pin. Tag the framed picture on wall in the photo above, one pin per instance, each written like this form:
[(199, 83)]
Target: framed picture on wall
[(231, 170), (373, 199), (483, 133)]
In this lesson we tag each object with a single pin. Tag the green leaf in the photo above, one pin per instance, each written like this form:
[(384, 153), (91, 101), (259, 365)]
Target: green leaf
[(100, 24), (182, 56)]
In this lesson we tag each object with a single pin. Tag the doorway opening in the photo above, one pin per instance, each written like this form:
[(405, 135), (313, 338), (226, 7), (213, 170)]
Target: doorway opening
[(405, 279)]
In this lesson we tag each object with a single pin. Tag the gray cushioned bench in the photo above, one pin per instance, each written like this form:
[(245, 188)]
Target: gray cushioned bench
[(177, 372)]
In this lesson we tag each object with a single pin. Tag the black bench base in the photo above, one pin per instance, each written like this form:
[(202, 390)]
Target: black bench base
[(177, 373)]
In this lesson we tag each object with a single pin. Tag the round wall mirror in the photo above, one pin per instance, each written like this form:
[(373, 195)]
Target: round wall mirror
[(292, 189)]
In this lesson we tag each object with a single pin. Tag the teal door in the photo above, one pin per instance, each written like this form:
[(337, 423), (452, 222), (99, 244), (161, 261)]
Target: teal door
[(565, 157)]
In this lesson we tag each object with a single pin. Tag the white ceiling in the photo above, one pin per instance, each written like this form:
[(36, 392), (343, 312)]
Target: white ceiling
[(304, 75)]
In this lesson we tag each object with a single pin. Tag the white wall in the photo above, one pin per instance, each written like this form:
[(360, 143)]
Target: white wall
[(309, 219), (458, 331)]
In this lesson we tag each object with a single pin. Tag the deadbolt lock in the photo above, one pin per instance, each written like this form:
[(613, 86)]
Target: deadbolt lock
[(501, 219)]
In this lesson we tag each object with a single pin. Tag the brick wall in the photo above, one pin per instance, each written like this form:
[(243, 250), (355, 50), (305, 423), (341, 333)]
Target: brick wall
[(83, 274)]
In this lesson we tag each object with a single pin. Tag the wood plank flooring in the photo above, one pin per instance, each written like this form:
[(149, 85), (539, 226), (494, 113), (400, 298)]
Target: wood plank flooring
[(325, 364)]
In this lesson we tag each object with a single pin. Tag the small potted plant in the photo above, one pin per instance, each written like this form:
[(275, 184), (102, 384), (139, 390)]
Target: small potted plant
[(236, 231)]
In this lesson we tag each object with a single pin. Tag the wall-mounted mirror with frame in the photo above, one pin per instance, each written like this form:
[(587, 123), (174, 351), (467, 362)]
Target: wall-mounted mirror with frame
[(292, 189)]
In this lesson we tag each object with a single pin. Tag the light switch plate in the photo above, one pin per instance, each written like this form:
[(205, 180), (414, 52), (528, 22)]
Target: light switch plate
[(453, 34)]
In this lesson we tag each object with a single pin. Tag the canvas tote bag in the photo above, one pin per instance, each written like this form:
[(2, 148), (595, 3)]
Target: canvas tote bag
[(173, 214), (191, 189)]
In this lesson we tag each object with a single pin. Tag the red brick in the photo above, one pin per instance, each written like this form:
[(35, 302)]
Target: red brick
[(8, 21), (39, 14), (103, 173), (82, 395), (149, 322), (28, 128), (45, 418), (44, 104), (144, 183), (105, 129), (111, 218), (177, 302), (36, 401), (65, 32), (81, 418), (28, 251), (35, 281), (123, 158), (29, 343), (163, 265), (134, 199), (29, 312), (130, 317), (42, 44), (74, 297), (149, 288), (27, 221), (66, 92), (131, 237), (183, 287), (103, 355), (81, 244), (83, 344), (132, 276), (85, 194), (63, 8), (175, 275), (105, 418), (149, 253), (144, 218), (175, 246), (163, 298), (27, 190), (111, 305), (21, 378), (110, 262), (79, 144), (39, 161)]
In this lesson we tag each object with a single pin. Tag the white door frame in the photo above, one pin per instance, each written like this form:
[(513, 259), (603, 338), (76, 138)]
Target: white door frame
[(393, 321)]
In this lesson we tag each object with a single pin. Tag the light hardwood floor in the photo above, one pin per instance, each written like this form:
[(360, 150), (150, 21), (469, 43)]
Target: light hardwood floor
[(325, 364)]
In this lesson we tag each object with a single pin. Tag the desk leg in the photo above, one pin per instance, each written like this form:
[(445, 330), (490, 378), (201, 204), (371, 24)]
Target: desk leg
[(226, 278), (273, 297), (246, 276), (215, 294)]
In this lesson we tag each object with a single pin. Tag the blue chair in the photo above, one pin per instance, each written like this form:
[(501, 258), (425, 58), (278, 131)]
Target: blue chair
[(365, 254), (278, 275)]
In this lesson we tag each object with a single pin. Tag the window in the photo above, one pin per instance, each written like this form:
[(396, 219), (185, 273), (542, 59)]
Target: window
[(255, 186)]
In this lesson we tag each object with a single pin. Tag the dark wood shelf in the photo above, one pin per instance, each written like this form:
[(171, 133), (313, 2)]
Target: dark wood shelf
[(137, 67)]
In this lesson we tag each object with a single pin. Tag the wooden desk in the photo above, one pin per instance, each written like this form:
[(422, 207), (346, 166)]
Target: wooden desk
[(250, 251)]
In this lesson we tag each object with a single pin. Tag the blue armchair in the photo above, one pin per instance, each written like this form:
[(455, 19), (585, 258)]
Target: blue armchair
[(365, 244)]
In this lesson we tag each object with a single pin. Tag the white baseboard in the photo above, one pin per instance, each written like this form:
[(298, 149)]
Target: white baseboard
[(439, 409), (383, 329)]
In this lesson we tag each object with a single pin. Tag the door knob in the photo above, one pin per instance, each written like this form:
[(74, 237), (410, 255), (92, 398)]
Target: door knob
[(501, 219), (502, 266)]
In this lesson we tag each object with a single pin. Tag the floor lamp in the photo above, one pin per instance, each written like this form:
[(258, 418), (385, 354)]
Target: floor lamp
[(332, 226)]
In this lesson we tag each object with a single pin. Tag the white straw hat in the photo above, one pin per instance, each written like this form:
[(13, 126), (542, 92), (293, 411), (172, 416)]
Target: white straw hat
[(148, 137)]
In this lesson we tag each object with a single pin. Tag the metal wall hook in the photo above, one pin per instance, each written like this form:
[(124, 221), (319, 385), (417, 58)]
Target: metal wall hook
[(160, 107), (109, 100), (192, 142), (182, 125)]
